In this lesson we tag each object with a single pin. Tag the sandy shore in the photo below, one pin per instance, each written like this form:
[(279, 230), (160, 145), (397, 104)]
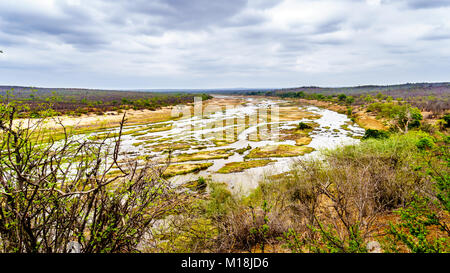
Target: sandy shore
[(363, 119)]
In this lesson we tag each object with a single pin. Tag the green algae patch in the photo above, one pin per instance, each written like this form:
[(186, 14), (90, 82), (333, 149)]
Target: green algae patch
[(279, 151), (303, 141), (139, 134), (113, 135), (345, 127), (159, 129), (147, 137), (204, 155), (235, 167), (179, 169), (143, 143), (223, 142), (243, 150)]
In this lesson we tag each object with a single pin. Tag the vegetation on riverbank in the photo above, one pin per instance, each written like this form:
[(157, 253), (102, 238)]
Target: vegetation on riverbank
[(203, 155), (234, 167), (76, 102), (278, 151), (179, 169), (389, 193)]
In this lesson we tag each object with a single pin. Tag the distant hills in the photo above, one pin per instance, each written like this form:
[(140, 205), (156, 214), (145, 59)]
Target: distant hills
[(422, 88)]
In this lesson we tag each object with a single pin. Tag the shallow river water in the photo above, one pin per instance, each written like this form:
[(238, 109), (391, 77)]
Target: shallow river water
[(204, 132)]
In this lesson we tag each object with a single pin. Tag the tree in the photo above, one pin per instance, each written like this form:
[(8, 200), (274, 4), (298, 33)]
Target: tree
[(56, 193), (368, 98), (406, 117), (350, 100), (342, 97)]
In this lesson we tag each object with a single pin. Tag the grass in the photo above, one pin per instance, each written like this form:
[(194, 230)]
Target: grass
[(345, 127), (112, 135), (291, 113), (170, 146), (159, 129), (179, 169), (243, 150), (377, 175), (204, 155), (303, 141), (235, 167), (279, 151)]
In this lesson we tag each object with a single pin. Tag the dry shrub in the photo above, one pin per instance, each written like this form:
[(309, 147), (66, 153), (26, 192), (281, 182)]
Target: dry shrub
[(350, 188), (240, 230)]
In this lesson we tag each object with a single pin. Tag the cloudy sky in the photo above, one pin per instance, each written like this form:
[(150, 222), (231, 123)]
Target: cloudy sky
[(131, 44)]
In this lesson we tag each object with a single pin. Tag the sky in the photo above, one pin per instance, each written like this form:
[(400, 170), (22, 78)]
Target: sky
[(156, 44)]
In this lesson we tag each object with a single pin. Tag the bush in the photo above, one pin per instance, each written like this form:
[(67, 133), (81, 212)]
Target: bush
[(350, 100), (336, 202), (447, 121), (54, 194), (403, 117), (342, 97), (303, 126), (425, 143)]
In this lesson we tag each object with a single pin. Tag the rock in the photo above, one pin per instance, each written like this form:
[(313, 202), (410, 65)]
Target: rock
[(374, 247), (73, 247)]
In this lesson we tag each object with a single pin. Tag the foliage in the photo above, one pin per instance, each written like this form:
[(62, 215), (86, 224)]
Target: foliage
[(413, 230), (424, 214), (425, 143), (261, 230), (304, 126), (56, 193), (404, 116), (326, 240)]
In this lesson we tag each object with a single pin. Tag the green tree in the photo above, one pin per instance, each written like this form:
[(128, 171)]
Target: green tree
[(406, 117), (342, 97)]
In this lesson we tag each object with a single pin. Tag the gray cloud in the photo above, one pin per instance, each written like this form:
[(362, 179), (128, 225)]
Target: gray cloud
[(426, 4), (204, 43), (181, 14)]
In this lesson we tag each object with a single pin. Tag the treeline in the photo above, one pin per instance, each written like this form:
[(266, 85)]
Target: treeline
[(431, 97), (83, 101)]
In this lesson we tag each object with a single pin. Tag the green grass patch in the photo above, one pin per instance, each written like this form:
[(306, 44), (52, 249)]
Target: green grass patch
[(279, 151), (235, 167), (179, 169), (204, 155)]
